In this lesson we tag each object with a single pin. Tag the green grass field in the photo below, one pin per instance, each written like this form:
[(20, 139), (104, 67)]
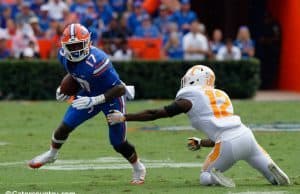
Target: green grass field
[(26, 127)]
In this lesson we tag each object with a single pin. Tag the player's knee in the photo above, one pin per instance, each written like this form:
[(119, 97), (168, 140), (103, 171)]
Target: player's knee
[(205, 178), (127, 150)]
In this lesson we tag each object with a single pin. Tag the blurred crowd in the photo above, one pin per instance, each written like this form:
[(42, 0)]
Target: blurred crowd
[(112, 23)]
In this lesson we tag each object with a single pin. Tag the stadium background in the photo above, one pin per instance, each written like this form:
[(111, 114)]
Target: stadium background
[(272, 25)]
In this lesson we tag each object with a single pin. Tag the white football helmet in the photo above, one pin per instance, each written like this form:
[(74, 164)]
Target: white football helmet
[(198, 75)]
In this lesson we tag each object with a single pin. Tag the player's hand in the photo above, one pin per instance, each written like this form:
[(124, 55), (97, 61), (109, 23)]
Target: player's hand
[(86, 102), (194, 143), (115, 117), (60, 96)]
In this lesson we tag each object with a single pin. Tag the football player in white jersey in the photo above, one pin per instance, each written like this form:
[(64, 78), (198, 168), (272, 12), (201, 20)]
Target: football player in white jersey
[(211, 111)]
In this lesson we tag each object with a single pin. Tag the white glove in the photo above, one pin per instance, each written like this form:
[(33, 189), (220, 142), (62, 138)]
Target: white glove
[(87, 102), (130, 92), (115, 117), (60, 96), (194, 143)]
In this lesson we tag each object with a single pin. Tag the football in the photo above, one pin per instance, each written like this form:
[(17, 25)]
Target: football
[(69, 85)]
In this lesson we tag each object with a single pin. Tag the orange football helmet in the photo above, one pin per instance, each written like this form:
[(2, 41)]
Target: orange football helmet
[(76, 42)]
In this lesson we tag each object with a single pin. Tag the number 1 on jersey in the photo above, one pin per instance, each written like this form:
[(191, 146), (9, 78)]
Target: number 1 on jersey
[(84, 84), (219, 103)]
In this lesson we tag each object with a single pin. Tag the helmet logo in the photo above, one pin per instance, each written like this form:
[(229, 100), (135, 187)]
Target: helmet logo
[(76, 42), (198, 75), (83, 31)]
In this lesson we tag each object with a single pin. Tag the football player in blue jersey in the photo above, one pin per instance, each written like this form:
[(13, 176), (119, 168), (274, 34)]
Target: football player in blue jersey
[(102, 90)]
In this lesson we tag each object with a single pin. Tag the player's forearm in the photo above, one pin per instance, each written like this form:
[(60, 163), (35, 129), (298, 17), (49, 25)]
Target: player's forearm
[(147, 115), (171, 110), (175, 108), (115, 92), (207, 143)]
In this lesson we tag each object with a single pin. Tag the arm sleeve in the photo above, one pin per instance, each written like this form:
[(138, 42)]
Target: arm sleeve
[(104, 73), (173, 109), (110, 78)]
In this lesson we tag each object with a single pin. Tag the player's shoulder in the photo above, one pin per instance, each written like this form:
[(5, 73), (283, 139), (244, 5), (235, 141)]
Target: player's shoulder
[(220, 92), (61, 56), (189, 91), (99, 61), (98, 54)]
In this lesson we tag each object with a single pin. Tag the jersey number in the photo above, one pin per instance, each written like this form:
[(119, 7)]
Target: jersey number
[(91, 60), (84, 84), (219, 103)]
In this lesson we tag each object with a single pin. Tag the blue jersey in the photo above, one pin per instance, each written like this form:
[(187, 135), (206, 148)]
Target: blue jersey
[(95, 73), (244, 46)]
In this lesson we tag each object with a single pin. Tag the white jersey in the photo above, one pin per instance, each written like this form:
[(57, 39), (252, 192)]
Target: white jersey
[(211, 112)]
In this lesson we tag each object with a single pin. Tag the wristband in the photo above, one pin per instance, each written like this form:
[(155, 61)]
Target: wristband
[(99, 99)]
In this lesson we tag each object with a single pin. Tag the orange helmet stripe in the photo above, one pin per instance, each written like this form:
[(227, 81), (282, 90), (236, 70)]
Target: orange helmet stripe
[(81, 33)]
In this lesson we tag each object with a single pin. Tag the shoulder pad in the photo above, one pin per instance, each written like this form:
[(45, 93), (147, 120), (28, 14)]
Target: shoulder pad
[(186, 91)]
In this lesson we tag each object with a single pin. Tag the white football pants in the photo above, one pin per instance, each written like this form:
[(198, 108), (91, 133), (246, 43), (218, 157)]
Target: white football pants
[(228, 150)]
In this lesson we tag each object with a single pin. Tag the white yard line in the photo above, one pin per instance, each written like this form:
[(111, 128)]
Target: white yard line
[(107, 163), (253, 127), (3, 143), (12, 163), (260, 192), (114, 163), (118, 166)]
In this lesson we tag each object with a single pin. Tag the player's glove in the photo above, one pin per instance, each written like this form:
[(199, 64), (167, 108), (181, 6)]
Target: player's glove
[(130, 91), (115, 117), (194, 143), (60, 96), (85, 102)]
